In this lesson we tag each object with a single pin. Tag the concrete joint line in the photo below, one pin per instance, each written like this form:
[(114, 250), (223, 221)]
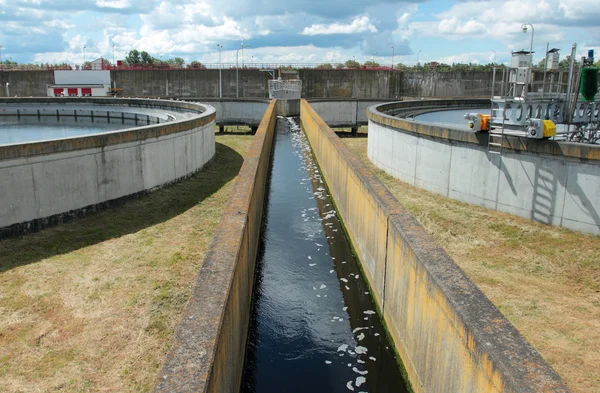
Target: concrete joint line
[(385, 262)]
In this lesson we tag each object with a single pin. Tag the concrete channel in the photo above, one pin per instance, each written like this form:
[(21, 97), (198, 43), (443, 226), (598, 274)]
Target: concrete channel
[(314, 326), (447, 334)]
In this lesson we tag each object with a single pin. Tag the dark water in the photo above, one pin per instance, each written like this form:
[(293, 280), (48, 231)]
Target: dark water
[(314, 326), (48, 127), (454, 117)]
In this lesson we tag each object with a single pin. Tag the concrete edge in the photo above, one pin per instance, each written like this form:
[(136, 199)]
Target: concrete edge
[(489, 333), (191, 364), (206, 115), (518, 364), (377, 114)]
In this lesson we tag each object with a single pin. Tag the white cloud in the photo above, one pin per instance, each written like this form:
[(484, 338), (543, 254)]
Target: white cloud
[(358, 25), (116, 4)]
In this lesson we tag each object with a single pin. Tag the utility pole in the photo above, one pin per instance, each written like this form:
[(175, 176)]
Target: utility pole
[(113, 50), (220, 80), (392, 46), (0, 54), (237, 69)]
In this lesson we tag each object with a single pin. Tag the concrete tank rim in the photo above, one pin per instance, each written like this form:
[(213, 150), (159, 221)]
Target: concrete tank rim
[(376, 114), (205, 114)]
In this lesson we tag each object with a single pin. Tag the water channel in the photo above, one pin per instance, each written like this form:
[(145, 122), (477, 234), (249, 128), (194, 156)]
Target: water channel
[(314, 326)]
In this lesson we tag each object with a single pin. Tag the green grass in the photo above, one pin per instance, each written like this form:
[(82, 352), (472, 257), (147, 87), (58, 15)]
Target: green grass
[(91, 305), (545, 280)]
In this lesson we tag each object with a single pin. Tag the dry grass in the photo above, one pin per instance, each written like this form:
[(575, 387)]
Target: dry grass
[(545, 280), (91, 305)]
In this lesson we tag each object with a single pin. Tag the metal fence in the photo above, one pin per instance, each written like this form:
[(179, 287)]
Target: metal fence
[(285, 89)]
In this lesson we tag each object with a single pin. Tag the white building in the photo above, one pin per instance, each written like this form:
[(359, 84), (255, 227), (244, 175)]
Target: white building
[(80, 84)]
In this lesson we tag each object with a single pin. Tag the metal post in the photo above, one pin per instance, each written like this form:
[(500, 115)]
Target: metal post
[(528, 79), (113, 50), (220, 80), (83, 57), (568, 108), (237, 68), (545, 68), (419, 52), (0, 54), (392, 57)]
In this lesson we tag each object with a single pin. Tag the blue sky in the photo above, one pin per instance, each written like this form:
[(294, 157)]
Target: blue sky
[(310, 31)]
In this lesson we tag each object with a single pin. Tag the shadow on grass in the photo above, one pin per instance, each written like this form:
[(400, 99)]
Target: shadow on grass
[(127, 217), (348, 134)]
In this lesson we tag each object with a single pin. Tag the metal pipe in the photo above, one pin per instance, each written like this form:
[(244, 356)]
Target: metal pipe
[(545, 68), (528, 79), (237, 68), (568, 108), (220, 80)]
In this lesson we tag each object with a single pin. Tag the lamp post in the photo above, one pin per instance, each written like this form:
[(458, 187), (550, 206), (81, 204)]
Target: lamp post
[(0, 54), (494, 57), (419, 52), (392, 46), (220, 80), (237, 70), (373, 57), (113, 50), (524, 28)]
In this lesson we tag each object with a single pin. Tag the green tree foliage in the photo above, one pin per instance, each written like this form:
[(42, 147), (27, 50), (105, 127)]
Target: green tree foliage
[(176, 62), (325, 66), (339, 66), (146, 59), (371, 64), (352, 64), (133, 58), (196, 65)]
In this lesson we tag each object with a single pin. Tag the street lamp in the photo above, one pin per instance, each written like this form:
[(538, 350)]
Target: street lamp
[(373, 57), (418, 56), (220, 80), (83, 57), (237, 69), (113, 50), (494, 57), (392, 46), (524, 28), (0, 54)]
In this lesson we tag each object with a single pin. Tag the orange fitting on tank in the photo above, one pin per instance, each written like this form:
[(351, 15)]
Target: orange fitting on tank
[(485, 122)]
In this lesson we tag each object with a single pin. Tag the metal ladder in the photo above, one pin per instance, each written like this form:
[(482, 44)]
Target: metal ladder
[(496, 139)]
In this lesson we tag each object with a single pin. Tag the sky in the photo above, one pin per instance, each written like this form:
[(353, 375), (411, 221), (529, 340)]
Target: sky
[(310, 31)]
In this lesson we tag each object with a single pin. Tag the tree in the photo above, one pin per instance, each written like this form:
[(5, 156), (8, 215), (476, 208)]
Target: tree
[(196, 65), (146, 59), (339, 66), (371, 64), (352, 64), (176, 62), (133, 58), (564, 63), (325, 66)]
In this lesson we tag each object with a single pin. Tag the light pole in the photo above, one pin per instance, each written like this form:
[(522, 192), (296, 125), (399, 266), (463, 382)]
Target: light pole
[(524, 28), (83, 57), (494, 57), (220, 80), (373, 57), (418, 56), (237, 69), (113, 50), (0, 54), (392, 46)]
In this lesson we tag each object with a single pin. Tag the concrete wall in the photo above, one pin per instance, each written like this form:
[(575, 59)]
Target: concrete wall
[(191, 83), (370, 84), (449, 335), (210, 343), (45, 182), (555, 183), (232, 111), (26, 83), (343, 112)]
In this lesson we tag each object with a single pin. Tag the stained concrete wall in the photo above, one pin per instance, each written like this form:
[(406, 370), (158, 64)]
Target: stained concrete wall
[(338, 112), (45, 182), (232, 111), (360, 83), (210, 343), (449, 335), (555, 183)]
